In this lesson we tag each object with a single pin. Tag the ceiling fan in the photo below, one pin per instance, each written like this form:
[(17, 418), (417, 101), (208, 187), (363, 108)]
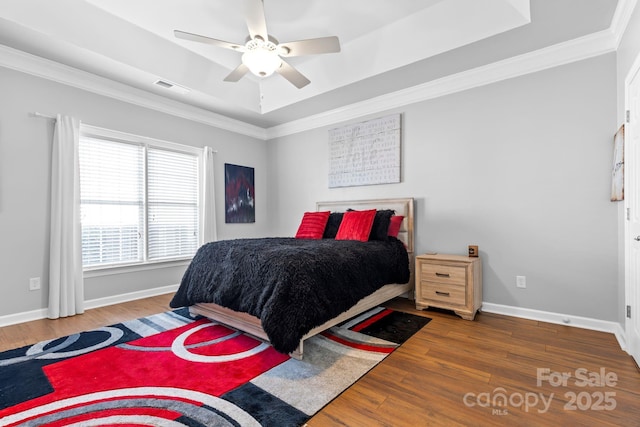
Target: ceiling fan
[(262, 54)]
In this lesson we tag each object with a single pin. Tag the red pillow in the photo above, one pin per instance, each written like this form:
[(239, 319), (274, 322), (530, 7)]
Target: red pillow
[(356, 225), (312, 225), (394, 225)]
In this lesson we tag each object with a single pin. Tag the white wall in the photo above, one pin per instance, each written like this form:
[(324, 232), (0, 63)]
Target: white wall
[(520, 168), (25, 156)]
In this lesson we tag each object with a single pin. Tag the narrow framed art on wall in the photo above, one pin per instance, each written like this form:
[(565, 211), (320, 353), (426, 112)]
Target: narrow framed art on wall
[(617, 172)]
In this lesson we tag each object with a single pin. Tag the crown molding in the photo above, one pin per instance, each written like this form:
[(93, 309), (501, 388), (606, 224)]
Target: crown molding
[(621, 19), (40, 67), (574, 50), (553, 56)]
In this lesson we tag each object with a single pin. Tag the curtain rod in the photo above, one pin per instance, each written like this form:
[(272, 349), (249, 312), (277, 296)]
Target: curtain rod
[(42, 116), (45, 116)]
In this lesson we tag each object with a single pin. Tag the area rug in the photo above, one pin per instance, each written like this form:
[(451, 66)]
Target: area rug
[(171, 369)]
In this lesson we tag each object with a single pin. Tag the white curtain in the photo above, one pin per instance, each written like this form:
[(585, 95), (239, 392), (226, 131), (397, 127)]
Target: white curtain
[(209, 202), (66, 287)]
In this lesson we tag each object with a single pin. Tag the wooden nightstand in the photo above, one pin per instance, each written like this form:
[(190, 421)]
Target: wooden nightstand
[(452, 282)]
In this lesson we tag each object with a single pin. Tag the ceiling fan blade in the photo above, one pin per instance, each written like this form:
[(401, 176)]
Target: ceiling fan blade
[(203, 39), (237, 74), (256, 21), (294, 76), (310, 47)]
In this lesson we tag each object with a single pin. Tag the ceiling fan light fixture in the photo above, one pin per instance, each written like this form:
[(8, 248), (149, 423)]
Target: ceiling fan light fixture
[(261, 57), (262, 54)]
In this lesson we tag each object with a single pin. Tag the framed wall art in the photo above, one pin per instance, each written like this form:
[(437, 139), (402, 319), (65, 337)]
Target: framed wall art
[(365, 153), (239, 194), (617, 172)]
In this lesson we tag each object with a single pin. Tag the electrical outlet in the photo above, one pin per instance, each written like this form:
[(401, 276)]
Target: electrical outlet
[(521, 281), (34, 283)]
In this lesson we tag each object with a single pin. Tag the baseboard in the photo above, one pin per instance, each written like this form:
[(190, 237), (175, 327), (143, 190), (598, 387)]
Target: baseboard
[(28, 316), (560, 319), (131, 296)]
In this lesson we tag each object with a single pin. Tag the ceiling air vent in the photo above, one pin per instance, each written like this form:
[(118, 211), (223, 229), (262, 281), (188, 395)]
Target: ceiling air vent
[(172, 86)]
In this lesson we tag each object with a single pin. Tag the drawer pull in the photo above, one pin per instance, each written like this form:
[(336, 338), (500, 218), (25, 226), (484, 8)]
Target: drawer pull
[(442, 274), (444, 294)]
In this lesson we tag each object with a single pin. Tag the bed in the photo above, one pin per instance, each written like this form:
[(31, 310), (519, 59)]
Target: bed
[(196, 288)]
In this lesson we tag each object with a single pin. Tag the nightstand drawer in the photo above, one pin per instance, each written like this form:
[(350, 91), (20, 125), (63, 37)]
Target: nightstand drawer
[(443, 292), (448, 274)]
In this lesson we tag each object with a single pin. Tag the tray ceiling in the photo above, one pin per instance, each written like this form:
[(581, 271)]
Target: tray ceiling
[(386, 45)]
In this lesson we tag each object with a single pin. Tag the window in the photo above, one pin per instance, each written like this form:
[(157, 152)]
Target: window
[(139, 199)]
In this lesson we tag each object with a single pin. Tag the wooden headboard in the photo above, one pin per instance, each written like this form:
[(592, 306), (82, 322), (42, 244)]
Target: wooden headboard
[(402, 207)]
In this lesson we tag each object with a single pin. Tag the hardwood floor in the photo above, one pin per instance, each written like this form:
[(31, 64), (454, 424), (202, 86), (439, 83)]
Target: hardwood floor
[(22, 334), (452, 372)]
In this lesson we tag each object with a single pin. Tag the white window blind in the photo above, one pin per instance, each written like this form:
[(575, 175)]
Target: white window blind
[(173, 204), (139, 202), (111, 202)]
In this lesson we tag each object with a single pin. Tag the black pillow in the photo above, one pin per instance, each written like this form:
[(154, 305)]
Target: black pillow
[(333, 223), (380, 228)]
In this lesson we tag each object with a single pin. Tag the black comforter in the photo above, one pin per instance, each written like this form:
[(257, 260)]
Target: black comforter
[(291, 285)]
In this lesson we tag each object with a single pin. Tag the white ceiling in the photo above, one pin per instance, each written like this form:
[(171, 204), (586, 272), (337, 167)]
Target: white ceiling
[(387, 46)]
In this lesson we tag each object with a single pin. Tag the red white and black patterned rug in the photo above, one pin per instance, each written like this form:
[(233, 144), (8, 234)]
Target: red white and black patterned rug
[(174, 370)]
